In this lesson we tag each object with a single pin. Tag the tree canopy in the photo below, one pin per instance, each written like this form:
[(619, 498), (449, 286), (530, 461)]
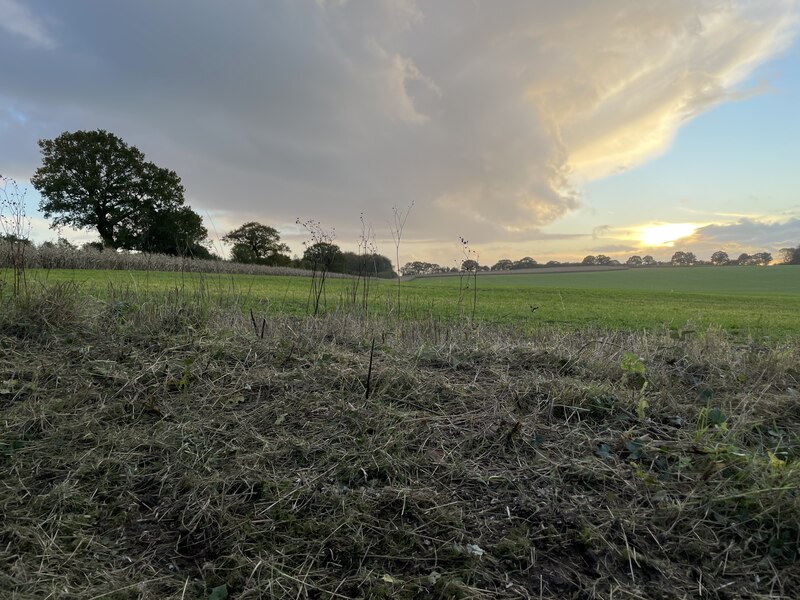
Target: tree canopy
[(504, 264), (179, 231), (720, 257), (790, 256), (94, 180), (470, 265), (257, 243), (759, 258), (683, 259), (367, 264), (323, 256), (418, 267), (634, 261), (762, 258), (524, 263)]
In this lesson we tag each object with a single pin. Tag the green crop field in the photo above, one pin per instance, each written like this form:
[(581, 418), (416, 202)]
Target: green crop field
[(742, 300), (749, 281), (753, 300)]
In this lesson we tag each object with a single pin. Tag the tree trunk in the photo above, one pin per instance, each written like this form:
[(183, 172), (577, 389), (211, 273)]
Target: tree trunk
[(105, 229)]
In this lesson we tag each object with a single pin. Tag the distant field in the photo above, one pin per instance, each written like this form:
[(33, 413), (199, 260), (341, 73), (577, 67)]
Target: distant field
[(741, 300), (759, 281)]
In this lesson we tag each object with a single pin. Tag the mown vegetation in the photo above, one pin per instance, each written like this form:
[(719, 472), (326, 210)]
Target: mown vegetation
[(166, 446)]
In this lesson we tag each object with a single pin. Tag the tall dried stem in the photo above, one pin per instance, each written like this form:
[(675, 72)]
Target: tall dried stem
[(16, 228), (396, 228)]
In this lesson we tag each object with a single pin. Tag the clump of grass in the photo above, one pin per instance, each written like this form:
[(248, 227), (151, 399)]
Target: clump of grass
[(160, 450)]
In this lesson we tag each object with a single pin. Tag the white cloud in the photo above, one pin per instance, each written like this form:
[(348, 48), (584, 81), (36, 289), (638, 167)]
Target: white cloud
[(625, 79)]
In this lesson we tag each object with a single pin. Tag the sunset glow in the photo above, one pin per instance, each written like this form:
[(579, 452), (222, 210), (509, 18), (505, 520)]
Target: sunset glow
[(665, 234)]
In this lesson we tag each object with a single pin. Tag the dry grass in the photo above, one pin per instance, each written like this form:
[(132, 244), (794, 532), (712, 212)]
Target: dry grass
[(61, 257), (166, 451)]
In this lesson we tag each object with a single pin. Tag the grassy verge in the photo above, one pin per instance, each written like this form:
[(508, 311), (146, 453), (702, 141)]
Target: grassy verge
[(170, 450)]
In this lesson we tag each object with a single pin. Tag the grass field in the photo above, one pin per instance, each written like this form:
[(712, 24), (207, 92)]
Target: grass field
[(742, 300), (750, 300), (758, 281)]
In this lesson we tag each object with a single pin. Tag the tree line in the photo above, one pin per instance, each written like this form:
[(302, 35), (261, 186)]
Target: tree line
[(94, 180), (789, 256), (254, 243), (685, 259)]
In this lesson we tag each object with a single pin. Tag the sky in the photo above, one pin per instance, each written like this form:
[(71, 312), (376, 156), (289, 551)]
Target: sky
[(528, 127)]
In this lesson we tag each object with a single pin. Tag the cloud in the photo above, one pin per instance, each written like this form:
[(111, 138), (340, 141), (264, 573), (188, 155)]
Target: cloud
[(483, 116), (601, 231), (614, 248), (747, 235), (18, 20)]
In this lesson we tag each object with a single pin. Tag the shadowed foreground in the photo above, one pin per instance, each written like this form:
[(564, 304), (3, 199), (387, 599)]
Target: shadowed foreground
[(171, 451)]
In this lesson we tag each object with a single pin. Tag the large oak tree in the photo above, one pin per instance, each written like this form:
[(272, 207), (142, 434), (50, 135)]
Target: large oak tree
[(94, 180)]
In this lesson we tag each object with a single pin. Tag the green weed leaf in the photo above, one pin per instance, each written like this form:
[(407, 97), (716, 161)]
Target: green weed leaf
[(632, 364)]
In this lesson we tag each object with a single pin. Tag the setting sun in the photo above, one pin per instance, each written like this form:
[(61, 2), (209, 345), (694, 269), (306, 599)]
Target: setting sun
[(665, 234)]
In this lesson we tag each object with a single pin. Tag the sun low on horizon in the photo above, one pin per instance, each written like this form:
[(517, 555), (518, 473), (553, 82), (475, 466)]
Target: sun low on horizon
[(664, 234)]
